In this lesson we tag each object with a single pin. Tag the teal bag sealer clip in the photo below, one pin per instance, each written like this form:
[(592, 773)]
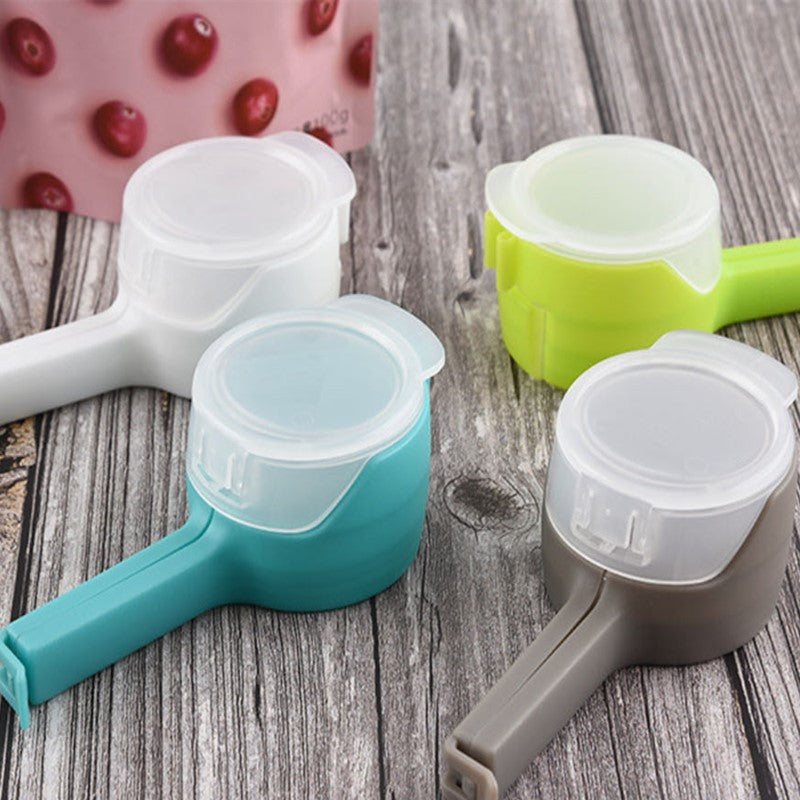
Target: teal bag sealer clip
[(307, 469)]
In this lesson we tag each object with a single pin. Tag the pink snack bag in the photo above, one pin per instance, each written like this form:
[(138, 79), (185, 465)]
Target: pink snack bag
[(89, 89)]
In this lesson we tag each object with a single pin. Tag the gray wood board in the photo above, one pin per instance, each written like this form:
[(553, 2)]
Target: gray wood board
[(244, 702)]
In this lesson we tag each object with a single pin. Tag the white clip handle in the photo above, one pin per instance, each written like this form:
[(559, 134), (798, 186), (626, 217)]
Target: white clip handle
[(68, 363)]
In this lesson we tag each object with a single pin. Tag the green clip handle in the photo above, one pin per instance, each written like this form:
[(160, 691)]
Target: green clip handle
[(759, 280), (114, 614), (585, 642)]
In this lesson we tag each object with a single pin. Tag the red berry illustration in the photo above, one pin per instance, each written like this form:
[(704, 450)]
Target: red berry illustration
[(254, 106), (188, 44), (2, 117), (120, 127), (323, 134), (30, 45), (361, 59), (320, 15), (44, 190)]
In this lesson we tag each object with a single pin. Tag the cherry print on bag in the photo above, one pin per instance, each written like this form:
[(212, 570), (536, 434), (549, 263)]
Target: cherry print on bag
[(188, 44), (120, 127), (320, 15), (92, 88), (44, 190), (254, 106), (323, 134), (361, 60), (30, 46)]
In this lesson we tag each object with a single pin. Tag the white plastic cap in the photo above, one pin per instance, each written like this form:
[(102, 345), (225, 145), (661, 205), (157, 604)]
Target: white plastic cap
[(614, 200), (289, 407), (203, 220), (664, 458)]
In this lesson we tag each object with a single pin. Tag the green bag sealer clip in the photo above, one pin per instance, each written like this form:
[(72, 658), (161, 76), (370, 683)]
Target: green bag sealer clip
[(307, 469), (604, 243), (664, 538)]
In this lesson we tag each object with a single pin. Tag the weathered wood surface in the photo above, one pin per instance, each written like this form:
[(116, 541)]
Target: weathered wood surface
[(354, 704)]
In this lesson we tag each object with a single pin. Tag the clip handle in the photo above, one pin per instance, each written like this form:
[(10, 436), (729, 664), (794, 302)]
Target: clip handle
[(113, 614), (759, 280), (68, 363), (583, 644)]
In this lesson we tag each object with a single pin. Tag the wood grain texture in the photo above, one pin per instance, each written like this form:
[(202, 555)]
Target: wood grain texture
[(246, 703), (29, 242)]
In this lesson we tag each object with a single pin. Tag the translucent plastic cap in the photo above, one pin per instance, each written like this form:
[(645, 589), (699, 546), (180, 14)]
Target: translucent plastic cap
[(614, 200), (200, 219), (288, 408), (665, 457)]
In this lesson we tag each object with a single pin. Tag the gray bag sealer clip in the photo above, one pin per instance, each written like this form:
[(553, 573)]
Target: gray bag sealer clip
[(666, 530)]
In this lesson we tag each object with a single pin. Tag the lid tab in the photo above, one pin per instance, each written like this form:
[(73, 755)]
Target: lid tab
[(762, 368), (419, 336), (610, 526), (341, 182)]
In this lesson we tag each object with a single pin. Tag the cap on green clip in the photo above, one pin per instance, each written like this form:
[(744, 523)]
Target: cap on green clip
[(604, 243)]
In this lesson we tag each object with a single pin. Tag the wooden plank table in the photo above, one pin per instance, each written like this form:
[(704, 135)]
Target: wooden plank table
[(245, 703)]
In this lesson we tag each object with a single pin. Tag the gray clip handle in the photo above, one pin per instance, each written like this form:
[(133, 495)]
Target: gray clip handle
[(583, 644)]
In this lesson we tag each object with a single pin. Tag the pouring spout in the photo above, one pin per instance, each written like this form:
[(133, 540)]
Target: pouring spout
[(584, 643)]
